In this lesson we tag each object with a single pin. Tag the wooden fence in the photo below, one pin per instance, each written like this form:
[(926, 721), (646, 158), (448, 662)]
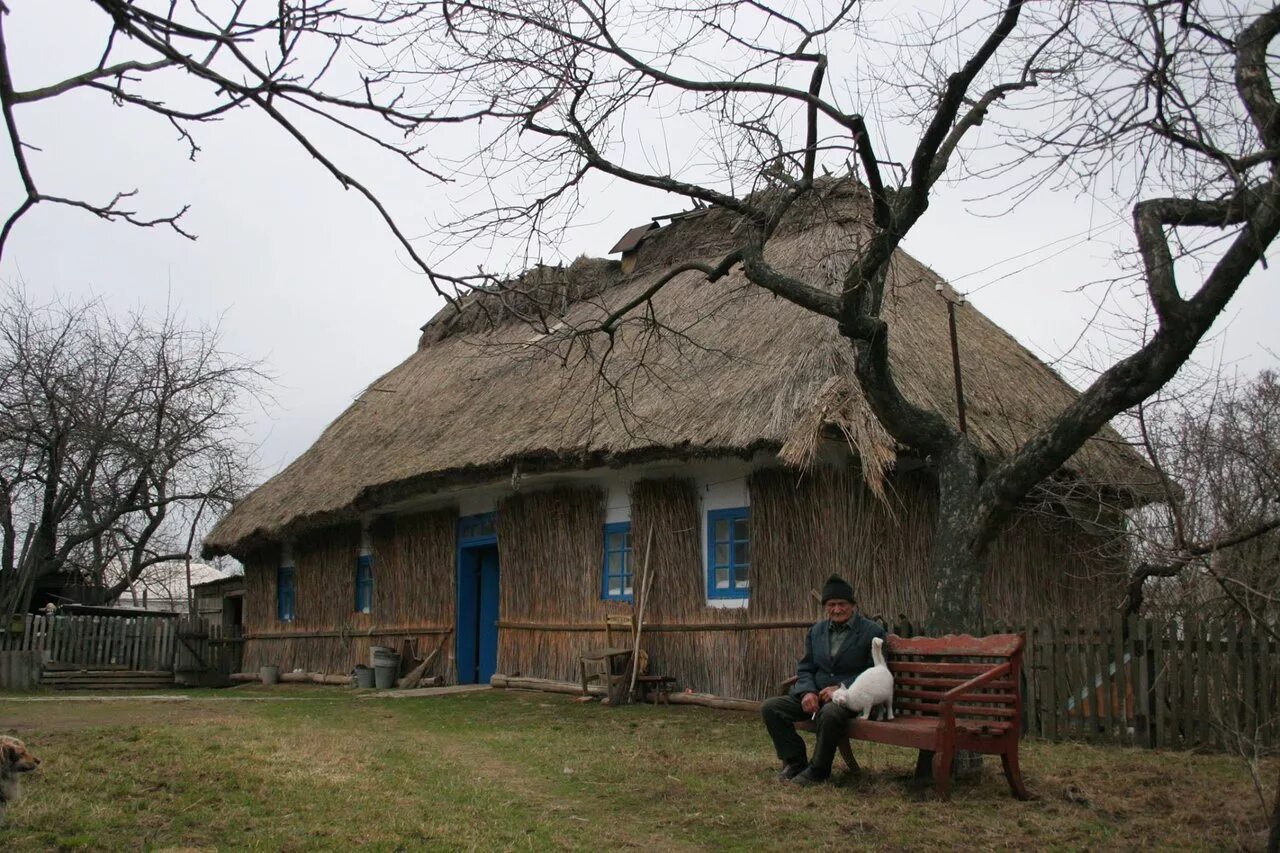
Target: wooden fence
[(184, 644), (131, 642), (208, 648), (1146, 682)]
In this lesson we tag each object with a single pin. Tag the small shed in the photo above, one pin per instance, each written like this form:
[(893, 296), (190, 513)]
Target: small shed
[(221, 601)]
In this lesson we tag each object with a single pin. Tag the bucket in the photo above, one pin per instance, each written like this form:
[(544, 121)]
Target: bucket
[(364, 676), (384, 675), (269, 674), (383, 655)]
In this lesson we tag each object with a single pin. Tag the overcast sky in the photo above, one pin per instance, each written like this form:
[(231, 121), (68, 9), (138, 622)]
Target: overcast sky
[(303, 276)]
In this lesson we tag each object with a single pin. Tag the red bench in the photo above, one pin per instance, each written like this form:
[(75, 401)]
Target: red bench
[(950, 693)]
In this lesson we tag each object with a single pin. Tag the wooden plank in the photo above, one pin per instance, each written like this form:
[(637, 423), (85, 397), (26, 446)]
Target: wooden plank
[(1061, 664), (1190, 721), (1159, 683), (1231, 706), (121, 651), (1203, 667), (1030, 663), (1249, 709), (1100, 684), (130, 642), (1121, 678), (996, 645), (1079, 682), (1266, 683), (167, 653), (1049, 675)]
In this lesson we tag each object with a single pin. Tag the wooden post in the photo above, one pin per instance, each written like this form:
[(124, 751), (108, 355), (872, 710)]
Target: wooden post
[(646, 582), (1050, 701), (1122, 708)]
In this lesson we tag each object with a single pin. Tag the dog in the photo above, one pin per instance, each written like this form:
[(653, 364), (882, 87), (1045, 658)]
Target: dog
[(14, 761), (872, 689)]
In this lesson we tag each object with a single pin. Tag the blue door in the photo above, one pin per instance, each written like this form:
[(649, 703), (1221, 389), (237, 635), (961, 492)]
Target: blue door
[(477, 651)]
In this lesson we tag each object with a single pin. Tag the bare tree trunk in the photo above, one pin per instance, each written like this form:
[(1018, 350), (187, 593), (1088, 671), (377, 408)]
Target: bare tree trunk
[(957, 569)]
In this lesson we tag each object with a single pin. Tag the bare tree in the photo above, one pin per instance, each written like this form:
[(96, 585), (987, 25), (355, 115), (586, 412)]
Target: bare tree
[(1177, 96), (1215, 539), (1211, 548), (1171, 103), (188, 63), (114, 435)]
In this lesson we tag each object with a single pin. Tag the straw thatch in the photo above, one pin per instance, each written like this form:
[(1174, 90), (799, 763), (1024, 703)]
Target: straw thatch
[(749, 371)]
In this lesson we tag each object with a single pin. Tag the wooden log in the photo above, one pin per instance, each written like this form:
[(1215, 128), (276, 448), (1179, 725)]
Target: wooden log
[(515, 682), (296, 678), (706, 700)]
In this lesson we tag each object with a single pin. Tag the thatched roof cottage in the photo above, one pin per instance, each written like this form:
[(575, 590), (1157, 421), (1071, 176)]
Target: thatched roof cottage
[(493, 495)]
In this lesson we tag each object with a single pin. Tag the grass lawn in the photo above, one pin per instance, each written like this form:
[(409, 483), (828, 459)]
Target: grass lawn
[(502, 769)]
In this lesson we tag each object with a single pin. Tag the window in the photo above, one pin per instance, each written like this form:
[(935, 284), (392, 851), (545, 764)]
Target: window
[(364, 583), (728, 553), (617, 562), (285, 593), (474, 528)]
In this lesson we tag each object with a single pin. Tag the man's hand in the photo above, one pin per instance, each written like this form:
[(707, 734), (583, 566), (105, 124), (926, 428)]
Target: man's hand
[(809, 702), (827, 692)]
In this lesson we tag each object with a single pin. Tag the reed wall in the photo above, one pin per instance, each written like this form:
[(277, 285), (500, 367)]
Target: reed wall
[(804, 527), (413, 594), (551, 556)]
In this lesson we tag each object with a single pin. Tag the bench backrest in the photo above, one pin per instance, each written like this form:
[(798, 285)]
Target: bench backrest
[(925, 668)]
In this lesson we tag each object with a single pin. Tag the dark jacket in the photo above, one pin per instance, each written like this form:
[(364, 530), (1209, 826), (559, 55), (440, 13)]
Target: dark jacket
[(817, 669)]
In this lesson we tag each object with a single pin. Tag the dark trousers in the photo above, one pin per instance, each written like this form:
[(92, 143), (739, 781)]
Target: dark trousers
[(781, 712)]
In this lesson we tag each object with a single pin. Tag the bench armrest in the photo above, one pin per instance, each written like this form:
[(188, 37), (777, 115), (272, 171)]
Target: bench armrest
[(992, 674), (947, 704), (785, 687)]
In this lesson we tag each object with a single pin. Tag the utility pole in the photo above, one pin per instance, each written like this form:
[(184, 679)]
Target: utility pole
[(955, 350)]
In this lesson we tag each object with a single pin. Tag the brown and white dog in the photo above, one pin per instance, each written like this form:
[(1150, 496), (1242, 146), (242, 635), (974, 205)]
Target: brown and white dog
[(14, 761)]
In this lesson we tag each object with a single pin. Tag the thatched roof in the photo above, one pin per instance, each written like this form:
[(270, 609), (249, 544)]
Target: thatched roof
[(736, 371)]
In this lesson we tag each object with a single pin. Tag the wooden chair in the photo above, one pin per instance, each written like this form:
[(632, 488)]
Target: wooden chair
[(610, 665)]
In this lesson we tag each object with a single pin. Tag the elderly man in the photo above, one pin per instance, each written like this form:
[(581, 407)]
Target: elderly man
[(836, 651)]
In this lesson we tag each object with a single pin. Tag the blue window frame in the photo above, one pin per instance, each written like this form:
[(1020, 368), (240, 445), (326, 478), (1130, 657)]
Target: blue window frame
[(286, 594), (617, 584), (475, 529), (728, 553), (364, 583)]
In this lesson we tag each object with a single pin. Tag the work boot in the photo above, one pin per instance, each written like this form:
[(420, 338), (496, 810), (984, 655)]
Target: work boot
[(808, 777), (790, 771)]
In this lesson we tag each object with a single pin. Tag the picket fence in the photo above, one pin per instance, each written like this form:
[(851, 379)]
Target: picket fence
[(1160, 683), (1166, 682), (130, 642), (153, 643)]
